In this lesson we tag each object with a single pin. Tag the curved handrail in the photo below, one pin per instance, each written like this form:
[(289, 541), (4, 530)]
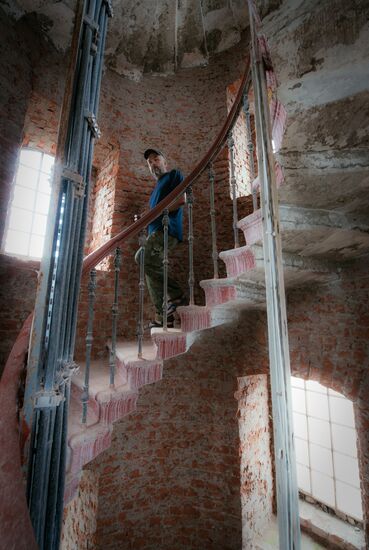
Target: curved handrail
[(98, 255)]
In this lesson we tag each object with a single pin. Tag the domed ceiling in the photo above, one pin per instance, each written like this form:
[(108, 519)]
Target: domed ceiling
[(147, 36)]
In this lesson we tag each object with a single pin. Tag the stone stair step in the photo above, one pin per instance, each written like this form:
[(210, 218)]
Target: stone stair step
[(221, 291), (314, 232), (171, 342), (85, 442), (244, 259), (247, 264), (195, 318), (108, 404), (139, 371)]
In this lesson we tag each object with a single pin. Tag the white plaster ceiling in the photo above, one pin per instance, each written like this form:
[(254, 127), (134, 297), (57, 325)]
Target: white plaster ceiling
[(147, 36)]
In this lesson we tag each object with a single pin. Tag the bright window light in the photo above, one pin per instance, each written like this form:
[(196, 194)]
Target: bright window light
[(325, 442), (26, 228)]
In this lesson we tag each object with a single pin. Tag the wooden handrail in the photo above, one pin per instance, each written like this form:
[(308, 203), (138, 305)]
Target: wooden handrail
[(107, 248)]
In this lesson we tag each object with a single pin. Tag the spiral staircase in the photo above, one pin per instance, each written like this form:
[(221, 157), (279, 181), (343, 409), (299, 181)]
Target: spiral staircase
[(319, 234)]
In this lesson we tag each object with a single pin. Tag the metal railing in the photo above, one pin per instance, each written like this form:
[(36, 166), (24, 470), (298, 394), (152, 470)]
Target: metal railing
[(224, 139)]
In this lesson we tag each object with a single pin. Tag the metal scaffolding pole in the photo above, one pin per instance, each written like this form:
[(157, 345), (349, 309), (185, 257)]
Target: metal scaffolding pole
[(51, 362), (279, 359)]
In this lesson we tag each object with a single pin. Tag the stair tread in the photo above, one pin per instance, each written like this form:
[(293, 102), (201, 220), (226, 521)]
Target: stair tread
[(75, 416), (314, 232), (99, 378), (127, 351)]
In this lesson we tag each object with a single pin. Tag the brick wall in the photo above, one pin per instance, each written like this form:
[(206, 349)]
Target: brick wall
[(150, 466), (79, 522), (171, 477), (30, 99), (18, 282)]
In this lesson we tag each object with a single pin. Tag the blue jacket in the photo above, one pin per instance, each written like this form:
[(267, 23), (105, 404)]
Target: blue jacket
[(164, 185)]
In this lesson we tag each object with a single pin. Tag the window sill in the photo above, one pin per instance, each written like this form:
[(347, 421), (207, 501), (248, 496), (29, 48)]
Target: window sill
[(327, 528)]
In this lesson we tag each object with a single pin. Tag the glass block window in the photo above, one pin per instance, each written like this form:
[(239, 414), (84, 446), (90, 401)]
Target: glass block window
[(326, 452), (26, 226)]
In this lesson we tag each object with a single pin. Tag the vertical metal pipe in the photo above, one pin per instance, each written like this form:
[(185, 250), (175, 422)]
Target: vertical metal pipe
[(141, 293), (165, 222), (53, 338), (214, 250), (280, 372), (233, 189), (250, 147), (89, 340), (191, 273), (114, 312)]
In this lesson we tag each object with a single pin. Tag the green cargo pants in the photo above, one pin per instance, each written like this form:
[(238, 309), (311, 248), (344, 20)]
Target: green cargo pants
[(154, 271)]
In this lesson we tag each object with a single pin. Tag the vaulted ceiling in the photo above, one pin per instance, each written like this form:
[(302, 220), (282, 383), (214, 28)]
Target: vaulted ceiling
[(147, 36)]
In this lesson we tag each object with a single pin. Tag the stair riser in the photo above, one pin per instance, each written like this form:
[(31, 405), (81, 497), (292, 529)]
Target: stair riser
[(115, 410), (71, 488), (170, 347), (252, 228), (191, 321), (141, 376), (93, 405), (237, 264), (83, 453), (219, 295)]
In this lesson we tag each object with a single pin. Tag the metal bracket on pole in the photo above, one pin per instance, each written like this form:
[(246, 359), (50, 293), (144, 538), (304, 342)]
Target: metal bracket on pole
[(91, 23), (93, 125), (109, 7), (47, 399), (77, 179)]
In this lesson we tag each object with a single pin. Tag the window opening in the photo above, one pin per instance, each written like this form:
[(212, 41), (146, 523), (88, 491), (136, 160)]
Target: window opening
[(27, 218), (326, 450)]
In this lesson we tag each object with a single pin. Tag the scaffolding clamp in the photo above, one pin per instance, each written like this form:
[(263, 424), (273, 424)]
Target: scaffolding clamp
[(91, 23), (109, 7), (93, 125), (47, 399), (77, 179)]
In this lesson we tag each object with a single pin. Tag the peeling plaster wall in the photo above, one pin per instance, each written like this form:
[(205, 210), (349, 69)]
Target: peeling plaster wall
[(256, 460), (79, 523)]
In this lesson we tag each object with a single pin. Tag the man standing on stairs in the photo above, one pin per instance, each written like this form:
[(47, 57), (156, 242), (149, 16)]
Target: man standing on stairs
[(154, 249)]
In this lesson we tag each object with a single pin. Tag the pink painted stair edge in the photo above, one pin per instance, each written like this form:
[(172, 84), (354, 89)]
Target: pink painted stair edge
[(252, 227), (87, 445), (194, 318), (238, 260), (218, 292), (170, 343)]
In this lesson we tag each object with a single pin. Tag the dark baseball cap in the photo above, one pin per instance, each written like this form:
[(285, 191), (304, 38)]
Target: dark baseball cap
[(149, 152)]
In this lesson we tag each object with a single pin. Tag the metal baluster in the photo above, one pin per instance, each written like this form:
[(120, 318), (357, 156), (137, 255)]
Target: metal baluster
[(141, 292), (214, 254), (114, 311), (250, 147), (89, 340), (165, 223), (233, 189), (191, 274)]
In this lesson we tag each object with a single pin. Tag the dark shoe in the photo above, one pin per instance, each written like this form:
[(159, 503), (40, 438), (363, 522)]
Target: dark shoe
[(159, 324), (173, 304)]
